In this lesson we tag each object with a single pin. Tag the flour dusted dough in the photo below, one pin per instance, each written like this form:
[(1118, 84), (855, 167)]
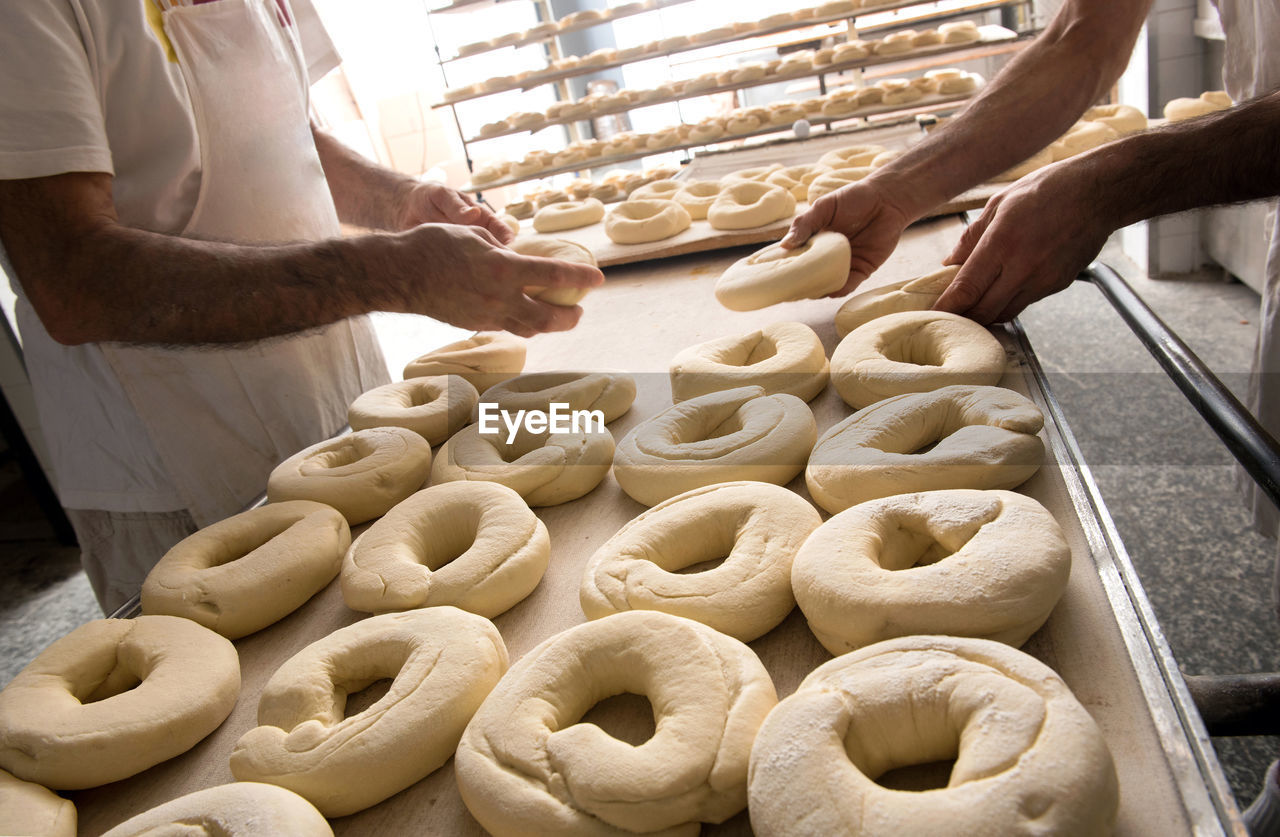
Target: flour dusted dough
[(546, 469), (361, 474), (985, 438), (781, 358), (771, 275), (989, 564), (28, 808), (568, 215), (554, 248), (473, 545), (916, 294), (250, 570), (240, 809), (435, 406), (441, 661), (735, 434), (640, 222), (525, 766), (609, 392), (1028, 758), (114, 697), (483, 359), (756, 527), (914, 351)]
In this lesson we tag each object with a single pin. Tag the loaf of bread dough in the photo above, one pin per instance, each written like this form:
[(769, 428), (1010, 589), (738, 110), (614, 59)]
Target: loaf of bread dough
[(781, 358)]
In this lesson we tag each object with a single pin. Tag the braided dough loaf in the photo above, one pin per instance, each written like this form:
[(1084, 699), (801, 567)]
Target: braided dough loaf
[(361, 474), (771, 275), (743, 204), (914, 351), (28, 808), (916, 294), (473, 545), (483, 360), (972, 437), (526, 766), (250, 570), (781, 358), (735, 434), (1028, 758), (758, 526), (639, 222), (610, 392), (990, 564), (114, 697), (240, 809), (441, 661), (435, 406)]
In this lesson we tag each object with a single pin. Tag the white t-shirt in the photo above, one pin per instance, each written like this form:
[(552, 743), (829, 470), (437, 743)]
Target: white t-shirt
[(89, 86)]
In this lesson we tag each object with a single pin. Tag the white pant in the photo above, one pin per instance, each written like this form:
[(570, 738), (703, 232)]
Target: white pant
[(118, 549)]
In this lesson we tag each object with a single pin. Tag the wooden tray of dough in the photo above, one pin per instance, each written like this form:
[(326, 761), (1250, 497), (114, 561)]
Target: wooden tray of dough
[(1118, 667)]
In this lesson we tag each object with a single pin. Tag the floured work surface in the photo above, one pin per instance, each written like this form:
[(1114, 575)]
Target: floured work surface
[(701, 236), (637, 322)]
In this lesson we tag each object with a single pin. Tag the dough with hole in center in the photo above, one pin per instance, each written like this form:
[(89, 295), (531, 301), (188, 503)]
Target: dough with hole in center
[(240, 809), (916, 294), (640, 222), (483, 359), (771, 275), (743, 204), (781, 358), (435, 406), (568, 215)]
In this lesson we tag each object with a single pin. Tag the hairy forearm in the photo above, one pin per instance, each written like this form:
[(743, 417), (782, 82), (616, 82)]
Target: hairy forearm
[(365, 194)]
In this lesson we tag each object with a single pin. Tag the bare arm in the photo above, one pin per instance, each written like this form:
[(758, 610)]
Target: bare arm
[(1035, 237), (92, 279)]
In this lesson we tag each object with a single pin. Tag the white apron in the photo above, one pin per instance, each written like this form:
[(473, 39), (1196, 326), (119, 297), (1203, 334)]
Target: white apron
[(1251, 67), (221, 418)]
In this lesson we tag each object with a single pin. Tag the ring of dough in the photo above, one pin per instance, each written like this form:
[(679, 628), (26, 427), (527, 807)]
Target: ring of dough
[(361, 474), (114, 697), (756, 527), (639, 222), (483, 359), (697, 196), (554, 248), (28, 808), (568, 215), (1124, 119), (735, 434), (664, 190), (248, 571), (771, 275), (526, 766), (796, 179), (239, 809), (546, 469), (435, 406), (985, 438), (780, 358), (473, 545), (441, 661), (850, 156), (743, 204), (609, 392), (757, 173), (916, 294), (914, 351), (1028, 757), (829, 181), (1082, 137), (989, 564)]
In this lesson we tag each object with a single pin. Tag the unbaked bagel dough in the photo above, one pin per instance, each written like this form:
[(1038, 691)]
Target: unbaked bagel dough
[(31, 809), (771, 275), (568, 215), (664, 189), (914, 351), (609, 392), (441, 661), (850, 156), (473, 545), (1028, 757), (250, 570), (1082, 137), (525, 764), (435, 406), (546, 469), (696, 196), (916, 294), (759, 174), (240, 809), (743, 204), (114, 697), (483, 359), (361, 474), (972, 437), (829, 181), (989, 564), (781, 358), (640, 222), (796, 179), (1123, 119), (726, 436), (554, 248), (756, 527)]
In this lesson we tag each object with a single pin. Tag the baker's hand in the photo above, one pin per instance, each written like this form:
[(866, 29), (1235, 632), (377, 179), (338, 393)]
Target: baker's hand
[(866, 216), (464, 275), (1031, 241), (435, 203)]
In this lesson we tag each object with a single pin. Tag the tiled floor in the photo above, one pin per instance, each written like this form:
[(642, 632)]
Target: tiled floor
[(1165, 478)]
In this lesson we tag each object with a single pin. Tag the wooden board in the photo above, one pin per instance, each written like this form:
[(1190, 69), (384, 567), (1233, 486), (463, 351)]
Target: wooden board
[(636, 322)]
